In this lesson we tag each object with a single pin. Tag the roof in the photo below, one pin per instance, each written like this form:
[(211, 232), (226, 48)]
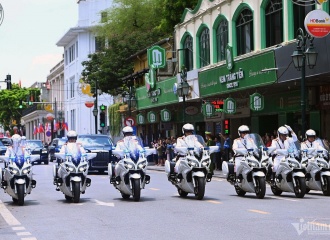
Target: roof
[(71, 34)]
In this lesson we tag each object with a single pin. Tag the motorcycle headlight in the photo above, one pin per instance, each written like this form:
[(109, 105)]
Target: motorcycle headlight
[(205, 163), (44, 151), (322, 165), (129, 165), (304, 165), (82, 168), (253, 164), (26, 170), (192, 163), (69, 168), (264, 164), (13, 170), (293, 164), (142, 164)]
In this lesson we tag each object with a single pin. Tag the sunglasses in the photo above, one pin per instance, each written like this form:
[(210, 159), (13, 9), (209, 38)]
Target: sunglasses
[(245, 132)]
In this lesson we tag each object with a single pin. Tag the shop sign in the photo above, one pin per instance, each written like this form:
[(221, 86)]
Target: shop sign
[(324, 97), (257, 102), (231, 79), (151, 117), (165, 115), (208, 109), (191, 110), (317, 23), (140, 119), (153, 95), (156, 57), (229, 106)]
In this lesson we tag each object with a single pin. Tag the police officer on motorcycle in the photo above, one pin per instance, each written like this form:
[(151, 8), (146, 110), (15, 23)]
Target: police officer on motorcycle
[(312, 143), (244, 141), (283, 141), (128, 139), (71, 146)]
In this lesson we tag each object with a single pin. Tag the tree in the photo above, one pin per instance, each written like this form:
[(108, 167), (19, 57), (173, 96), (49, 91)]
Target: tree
[(9, 107)]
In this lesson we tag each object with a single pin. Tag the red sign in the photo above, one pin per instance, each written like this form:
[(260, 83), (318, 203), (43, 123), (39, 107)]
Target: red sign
[(129, 122), (218, 105)]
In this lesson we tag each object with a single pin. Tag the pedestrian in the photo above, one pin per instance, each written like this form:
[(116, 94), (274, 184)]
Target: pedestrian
[(268, 141), (155, 146), (210, 142), (218, 160), (226, 146), (160, 152)]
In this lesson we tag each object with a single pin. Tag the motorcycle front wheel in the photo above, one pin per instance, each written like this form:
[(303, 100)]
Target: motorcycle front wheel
[(136, 189), (300, 189), (182, 193), (276, 191), (260, 187), (326, 186), (200, 188), (20, 194), (76, 191), (240, 192)]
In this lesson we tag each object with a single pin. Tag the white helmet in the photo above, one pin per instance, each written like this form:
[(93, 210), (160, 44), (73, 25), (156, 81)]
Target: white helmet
[(243, 129), (127, 129), (16, 138), (187, 127), (72, 135), (310, 133), (282, 130)]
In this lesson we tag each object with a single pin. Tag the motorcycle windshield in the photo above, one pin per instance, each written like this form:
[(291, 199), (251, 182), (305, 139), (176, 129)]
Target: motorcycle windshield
[(76, 160), (134, 154), (257, 139), (19, 161), (323, 143), (201, 140)]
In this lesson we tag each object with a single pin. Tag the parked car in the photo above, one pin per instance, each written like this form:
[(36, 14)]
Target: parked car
[(100, 144), (3, 149), (6, 141), (55, 147), (36, 147)]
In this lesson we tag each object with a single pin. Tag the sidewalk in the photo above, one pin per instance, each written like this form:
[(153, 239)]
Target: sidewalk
[(152, 166)]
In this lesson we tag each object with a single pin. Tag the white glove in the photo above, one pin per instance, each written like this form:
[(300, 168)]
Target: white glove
[(288, 127)]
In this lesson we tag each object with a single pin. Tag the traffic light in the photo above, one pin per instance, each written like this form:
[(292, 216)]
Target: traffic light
[(102, 119), (103, 107), (8, 81), (20, 104), (30, 103), (226, 126)]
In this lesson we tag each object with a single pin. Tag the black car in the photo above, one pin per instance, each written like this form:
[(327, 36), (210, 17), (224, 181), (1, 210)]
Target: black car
[(36, 147), (3, 149), (55, 147), (100, 144), (6, 141)]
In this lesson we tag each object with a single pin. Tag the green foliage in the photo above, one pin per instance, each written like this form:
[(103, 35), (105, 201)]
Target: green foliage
[(9, 107), (114, 119)]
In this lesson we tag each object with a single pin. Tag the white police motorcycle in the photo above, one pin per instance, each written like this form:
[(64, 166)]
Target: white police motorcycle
[(290, 175), (16, 177), (193, 169), (70, 176), (253, 170), (129, 174), (317, 170)]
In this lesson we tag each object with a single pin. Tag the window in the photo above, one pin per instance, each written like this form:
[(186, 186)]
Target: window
[(72, 54), (222, 40), (72, 88), (99, 44), (274, 23), (77, 49), (244, 32), (204, 48), (66, 57), (188, 53), (73, 119), (300, 13)]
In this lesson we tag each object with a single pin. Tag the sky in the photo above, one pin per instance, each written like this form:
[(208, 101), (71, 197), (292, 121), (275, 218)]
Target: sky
[(28, 36)]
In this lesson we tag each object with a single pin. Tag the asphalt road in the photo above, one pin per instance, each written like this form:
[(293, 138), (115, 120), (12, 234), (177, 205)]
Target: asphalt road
[(161, 213)]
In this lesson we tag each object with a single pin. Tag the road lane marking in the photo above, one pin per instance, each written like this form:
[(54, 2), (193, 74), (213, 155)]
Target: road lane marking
[(6, 214), (23, 233), (283, 198), (31, 238), (212, 201), (155, 189), (258, 211), (18, 228), (324, 225), (108, 204)]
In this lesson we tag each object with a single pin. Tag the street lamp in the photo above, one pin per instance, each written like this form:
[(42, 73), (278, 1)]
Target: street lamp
[(183, 90), (299, 57), (95, 112), (129, 98)]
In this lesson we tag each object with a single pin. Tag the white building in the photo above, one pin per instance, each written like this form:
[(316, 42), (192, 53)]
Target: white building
[(78, 42)]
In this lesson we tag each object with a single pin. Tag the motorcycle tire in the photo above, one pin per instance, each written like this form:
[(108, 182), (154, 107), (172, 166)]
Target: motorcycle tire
[(76, 191), (240, 192), (307, 190), (326, 186), (182, 193), (200, 188), (20, 194), (276, 191), (125, 196), (300, 189), (136, 189), (260, 188), (68, 198)]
